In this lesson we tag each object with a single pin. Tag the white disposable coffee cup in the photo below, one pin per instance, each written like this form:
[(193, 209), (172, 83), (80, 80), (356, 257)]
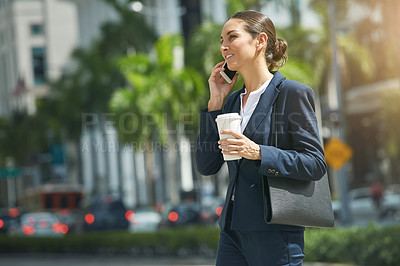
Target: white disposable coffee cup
[(229, 121)]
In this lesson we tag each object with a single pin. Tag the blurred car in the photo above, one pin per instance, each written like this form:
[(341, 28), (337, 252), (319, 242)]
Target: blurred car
[(41, 224), (211, 210), (362, 206), (9, 219), (182, 215), (69, 218), (144, 220), (105, 213)]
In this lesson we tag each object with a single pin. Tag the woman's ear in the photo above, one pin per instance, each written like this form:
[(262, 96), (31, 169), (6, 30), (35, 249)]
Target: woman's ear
[(262, 39)]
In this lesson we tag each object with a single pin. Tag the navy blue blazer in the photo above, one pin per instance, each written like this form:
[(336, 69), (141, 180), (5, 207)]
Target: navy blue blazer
[(299, 154)]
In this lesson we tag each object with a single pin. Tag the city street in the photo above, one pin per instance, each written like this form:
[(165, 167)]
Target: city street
[(95, 260)]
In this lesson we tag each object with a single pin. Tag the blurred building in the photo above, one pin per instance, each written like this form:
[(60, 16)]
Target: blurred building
[(36, 39), (91, 14)]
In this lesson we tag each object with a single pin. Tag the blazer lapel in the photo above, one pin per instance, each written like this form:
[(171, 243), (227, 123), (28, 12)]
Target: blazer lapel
[(264, 104), (236, 104)]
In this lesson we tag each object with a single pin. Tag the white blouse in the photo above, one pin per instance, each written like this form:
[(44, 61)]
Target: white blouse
[(251, 104)]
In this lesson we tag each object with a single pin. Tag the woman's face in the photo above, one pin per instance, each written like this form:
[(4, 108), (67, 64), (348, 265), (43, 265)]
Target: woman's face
[(237, 45)]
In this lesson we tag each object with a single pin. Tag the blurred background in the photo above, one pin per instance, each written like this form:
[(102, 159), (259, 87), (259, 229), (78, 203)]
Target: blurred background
[(99, 103)]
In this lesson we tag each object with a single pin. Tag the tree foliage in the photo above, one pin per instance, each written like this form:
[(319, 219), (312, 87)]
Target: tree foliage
[(22, 138), (88, 87), (379, 33), (203, 49), (159, 97), (313, 46)]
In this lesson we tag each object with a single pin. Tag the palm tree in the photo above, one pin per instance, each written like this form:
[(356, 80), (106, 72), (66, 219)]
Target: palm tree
[(163, 102)]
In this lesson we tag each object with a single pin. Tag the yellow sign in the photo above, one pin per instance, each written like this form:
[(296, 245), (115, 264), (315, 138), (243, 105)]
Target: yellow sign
[(337, 153)]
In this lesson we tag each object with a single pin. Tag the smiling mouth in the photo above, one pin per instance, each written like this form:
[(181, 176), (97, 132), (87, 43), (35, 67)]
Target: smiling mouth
[(228, 56)]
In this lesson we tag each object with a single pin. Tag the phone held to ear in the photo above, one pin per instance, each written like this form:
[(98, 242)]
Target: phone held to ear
[(227, 74)]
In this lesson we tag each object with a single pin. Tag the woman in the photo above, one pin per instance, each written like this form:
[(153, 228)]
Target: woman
[(249, 46)]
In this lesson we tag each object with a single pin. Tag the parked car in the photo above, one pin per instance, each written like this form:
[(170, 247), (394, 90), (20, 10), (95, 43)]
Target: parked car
[(211, 210), (105, 213), (182, 215), (41, 224), (9, 219), (68, 217), (362, 206), (144, 220)]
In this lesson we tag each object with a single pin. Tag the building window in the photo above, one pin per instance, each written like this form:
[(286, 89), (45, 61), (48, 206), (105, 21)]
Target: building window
[(37, 29), (64, 202), (49, 202), (39, 64)]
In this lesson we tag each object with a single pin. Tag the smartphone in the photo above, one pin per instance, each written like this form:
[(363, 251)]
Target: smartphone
[(227, 74)]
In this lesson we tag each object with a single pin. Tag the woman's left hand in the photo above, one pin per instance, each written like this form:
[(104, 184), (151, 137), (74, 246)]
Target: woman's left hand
[(239, 145)]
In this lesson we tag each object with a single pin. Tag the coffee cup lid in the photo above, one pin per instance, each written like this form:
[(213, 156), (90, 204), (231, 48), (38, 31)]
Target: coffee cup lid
[(229, 116)]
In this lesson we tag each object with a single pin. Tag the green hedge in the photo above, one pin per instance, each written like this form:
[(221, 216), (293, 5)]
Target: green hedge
[(177, 241), (372, 245)]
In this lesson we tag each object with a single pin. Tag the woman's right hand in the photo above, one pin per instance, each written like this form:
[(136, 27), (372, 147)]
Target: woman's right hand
[(219, 88)]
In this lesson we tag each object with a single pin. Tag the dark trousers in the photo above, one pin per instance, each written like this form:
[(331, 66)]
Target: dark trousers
[(260, 248)]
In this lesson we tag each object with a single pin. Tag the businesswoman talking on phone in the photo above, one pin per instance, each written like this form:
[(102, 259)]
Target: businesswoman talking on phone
[(249, 46)]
